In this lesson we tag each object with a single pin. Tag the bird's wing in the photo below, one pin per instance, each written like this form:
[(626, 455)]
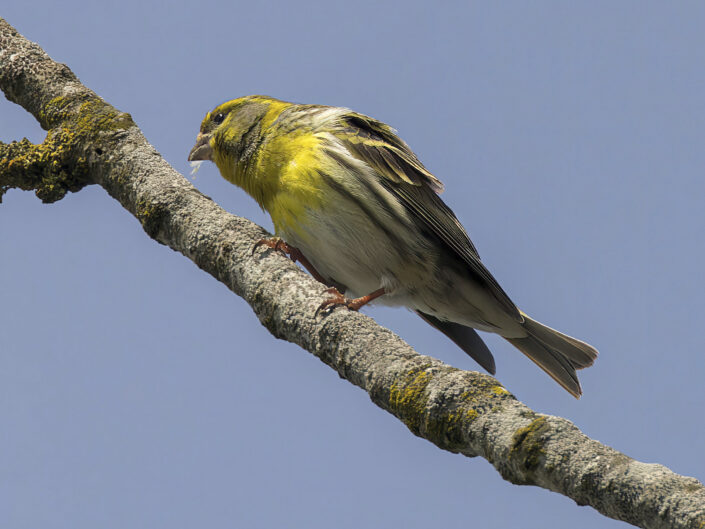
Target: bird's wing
[(417, 189), (378, 145), (466, 338)]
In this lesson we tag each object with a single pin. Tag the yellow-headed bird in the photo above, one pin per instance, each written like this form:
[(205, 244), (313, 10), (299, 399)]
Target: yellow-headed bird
[(351, 200)]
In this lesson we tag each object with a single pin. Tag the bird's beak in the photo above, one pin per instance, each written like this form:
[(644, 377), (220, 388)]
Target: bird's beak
[(202, 150)]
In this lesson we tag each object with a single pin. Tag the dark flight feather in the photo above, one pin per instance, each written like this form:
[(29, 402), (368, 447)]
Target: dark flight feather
[(466, 338)]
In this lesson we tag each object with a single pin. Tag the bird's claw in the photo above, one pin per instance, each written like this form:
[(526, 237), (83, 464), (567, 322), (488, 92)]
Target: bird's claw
[(336, 300), (279, 245), (275, 243)]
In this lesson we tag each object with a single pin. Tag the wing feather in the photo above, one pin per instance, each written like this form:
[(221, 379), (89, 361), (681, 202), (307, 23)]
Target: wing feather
[(378, 145), (417, 189)]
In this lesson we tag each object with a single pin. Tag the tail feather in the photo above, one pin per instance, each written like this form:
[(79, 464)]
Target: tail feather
[(580, 354), (552, 362), (466, 338), (557, 354)]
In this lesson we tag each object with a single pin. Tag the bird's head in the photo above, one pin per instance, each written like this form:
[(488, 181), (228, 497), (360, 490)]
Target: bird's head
[(231, 132)]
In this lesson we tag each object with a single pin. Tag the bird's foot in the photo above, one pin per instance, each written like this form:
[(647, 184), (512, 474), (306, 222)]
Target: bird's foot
[(279, 245), (338, 300)]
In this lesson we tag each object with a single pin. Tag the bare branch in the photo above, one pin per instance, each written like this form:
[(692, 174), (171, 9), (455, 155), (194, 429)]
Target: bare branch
[(459, 411)]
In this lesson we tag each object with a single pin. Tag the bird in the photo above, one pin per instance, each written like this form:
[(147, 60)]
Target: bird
[(350, 200)]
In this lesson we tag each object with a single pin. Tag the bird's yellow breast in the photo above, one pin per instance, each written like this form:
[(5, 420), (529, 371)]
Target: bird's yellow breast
[(290, 168)]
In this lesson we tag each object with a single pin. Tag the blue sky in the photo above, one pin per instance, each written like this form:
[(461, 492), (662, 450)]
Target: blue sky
[(136, 391)]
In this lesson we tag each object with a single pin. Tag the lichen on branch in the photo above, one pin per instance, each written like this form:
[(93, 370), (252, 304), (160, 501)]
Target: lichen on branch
[(62, 163)]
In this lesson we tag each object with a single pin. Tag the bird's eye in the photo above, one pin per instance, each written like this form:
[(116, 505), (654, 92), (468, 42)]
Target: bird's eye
[(218, 118)]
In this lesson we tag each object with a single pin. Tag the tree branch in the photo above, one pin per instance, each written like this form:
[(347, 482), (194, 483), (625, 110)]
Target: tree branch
[(89, 142)]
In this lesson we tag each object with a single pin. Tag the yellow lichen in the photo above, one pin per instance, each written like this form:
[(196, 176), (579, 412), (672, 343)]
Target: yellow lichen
[(471, 415), (79, 127), (528, 443), (408, 398)]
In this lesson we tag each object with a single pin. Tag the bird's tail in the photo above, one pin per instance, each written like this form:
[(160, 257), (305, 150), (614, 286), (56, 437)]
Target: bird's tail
[(557, 354)]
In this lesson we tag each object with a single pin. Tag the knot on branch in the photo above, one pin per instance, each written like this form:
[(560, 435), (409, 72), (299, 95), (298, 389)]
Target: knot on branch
[(49, 169), (83, 131)]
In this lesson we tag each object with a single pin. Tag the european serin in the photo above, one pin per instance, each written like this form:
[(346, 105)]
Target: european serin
[(351, 200)]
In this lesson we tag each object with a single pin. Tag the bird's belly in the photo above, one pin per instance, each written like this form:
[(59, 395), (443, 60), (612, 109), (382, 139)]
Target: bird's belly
[(363, 255)]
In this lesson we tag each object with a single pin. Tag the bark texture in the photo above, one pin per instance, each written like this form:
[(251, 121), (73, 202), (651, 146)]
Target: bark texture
[(90, 142)]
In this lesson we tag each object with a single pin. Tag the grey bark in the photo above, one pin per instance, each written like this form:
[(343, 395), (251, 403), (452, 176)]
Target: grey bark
[(89, 142)]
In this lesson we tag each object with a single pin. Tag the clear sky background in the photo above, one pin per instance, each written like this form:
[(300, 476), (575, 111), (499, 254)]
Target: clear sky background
[(138, 392)]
